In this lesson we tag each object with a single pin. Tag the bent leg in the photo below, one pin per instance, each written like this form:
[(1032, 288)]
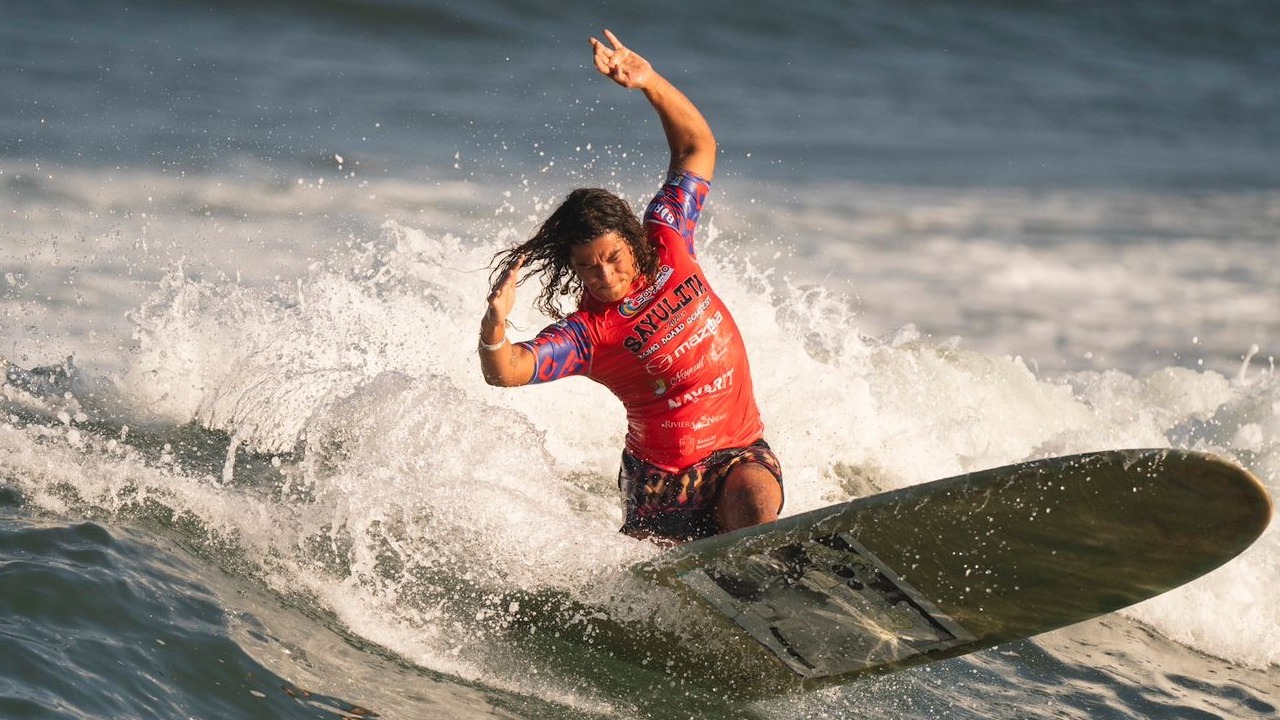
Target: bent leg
[(751, 495)]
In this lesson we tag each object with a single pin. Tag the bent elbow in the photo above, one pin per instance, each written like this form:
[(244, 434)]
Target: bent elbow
[(698, 156), (511, 368), (496, 379)]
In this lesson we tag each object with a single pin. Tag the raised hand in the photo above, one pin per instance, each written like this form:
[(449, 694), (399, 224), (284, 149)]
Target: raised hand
[(620, 64), (502, 297)]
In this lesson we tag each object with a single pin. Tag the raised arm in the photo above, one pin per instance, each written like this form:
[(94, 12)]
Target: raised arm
[(693, 146)]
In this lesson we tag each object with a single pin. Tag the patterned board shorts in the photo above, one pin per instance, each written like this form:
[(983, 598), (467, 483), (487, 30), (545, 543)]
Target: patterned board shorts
[(680, 505)]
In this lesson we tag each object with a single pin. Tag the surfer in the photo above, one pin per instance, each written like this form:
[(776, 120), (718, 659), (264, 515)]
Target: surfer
[(648, 327)]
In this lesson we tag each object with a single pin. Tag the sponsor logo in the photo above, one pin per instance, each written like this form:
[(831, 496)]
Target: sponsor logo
[(662, 384), (649, 351), (661, 315), (720, 384), (660, 365), (719, 348), (708, 442), (687, 444), (702, 307), (657, 366), (632, 305), (687, 373), (703, 422), (708, 330), (664, 214)]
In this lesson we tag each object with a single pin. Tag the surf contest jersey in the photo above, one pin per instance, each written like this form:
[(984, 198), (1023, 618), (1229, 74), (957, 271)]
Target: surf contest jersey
[(669, 350)]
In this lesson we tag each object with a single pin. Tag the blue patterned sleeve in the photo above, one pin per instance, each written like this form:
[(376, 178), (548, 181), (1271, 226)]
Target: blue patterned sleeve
[(560, 350), (678, 205)]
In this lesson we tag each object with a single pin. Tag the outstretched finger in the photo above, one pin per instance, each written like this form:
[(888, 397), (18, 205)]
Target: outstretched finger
[(617, 44), (601, 55)]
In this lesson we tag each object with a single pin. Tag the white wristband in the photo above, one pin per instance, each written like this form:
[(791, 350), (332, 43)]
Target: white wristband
[(496, 346)]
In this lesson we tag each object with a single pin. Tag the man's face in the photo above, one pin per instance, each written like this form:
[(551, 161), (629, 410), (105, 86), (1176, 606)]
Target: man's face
[(606, 267)]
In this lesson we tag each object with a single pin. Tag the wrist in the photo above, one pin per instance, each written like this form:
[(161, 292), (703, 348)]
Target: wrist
[(492, 336), (491, 347)]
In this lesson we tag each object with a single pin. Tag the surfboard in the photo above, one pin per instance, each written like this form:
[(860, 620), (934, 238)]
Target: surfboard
[(949, 567)]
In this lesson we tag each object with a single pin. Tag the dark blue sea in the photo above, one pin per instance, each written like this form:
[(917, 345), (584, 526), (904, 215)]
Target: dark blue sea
[(249, 468)]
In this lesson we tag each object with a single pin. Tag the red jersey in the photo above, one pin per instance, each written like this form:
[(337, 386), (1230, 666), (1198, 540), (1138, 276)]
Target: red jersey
[(669, 350)]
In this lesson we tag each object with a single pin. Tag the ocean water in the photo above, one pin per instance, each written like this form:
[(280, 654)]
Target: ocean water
[(270, 482)]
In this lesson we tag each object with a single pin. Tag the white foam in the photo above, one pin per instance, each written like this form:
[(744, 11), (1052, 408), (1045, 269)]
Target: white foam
[(423, 493)]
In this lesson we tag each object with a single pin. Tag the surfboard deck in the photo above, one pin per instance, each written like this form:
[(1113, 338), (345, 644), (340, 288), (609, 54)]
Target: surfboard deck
[(957, 565)]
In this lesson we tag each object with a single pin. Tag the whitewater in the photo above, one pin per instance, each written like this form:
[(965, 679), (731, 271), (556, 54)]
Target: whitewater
[(249, 467), (320, 425)]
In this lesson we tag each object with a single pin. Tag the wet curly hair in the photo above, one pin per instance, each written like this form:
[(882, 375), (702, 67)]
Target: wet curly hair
[(585, 214)]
